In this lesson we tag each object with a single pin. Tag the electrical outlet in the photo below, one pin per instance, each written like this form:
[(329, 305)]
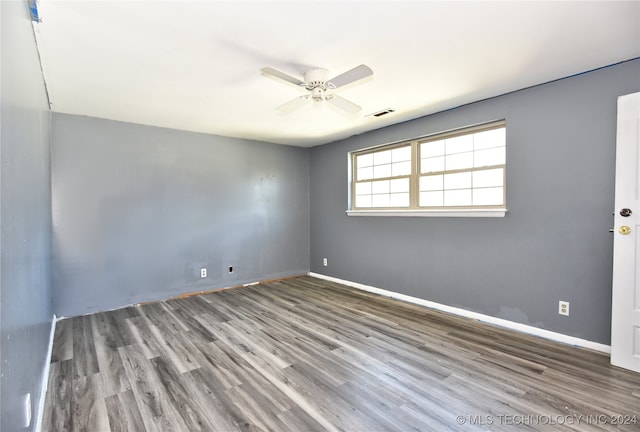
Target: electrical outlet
[(563, 308), (203, 272), (324, 262)]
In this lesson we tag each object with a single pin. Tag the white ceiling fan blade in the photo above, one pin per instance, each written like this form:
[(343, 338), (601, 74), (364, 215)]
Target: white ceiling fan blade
[(281, 76), (293, 104), (355, 74), (343, 104)]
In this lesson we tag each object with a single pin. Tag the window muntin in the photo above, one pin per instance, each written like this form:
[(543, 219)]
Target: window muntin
[(464, 169)]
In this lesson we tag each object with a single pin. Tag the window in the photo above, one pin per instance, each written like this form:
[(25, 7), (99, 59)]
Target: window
[(449, 173)]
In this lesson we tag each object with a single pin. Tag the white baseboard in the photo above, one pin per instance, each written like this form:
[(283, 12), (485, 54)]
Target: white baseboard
[(524, 328), (45, 377)]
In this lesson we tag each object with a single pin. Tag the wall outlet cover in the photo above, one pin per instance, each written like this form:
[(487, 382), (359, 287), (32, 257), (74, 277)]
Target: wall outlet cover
[(563, 308)]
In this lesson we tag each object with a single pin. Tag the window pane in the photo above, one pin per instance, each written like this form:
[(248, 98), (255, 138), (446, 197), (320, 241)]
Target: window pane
[(431, 183), (432, 148), (431, 199), (488, 139), (488, 196), (458, 181), (399, 185), (488, 178), (489, 157), (380, 187), (459, 161), (459, 144), (382, 157), (380, 171), (364, 160), (363, 201), (363, 188), (380, 200), (401, 168), (400, 200), (401, 154), (365, 173), (457, 197), (434, 164)]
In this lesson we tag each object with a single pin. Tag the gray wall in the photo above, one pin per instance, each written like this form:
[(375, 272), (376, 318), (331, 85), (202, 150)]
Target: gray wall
[(552, 245), (138, 210), (26, 309)]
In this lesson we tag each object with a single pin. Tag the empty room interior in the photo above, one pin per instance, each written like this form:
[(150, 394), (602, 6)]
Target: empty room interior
[(319, 216)]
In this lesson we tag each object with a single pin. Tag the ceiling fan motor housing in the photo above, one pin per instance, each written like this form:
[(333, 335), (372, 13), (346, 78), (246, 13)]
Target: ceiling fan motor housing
[(315, 77), (316, 82)]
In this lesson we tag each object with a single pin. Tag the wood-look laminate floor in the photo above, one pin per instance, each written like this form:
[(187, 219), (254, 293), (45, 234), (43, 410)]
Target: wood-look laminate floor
[(308, 355)]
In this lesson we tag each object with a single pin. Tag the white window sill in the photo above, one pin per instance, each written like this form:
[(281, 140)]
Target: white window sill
[(431, 213)]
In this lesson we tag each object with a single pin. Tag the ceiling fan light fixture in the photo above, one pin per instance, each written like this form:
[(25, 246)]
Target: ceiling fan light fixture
[(317, 93)]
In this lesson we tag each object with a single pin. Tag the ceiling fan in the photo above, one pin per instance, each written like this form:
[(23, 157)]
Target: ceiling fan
[(319, 88)]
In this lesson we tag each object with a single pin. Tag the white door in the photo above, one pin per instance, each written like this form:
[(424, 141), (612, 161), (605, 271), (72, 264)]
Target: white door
[(625, 320)]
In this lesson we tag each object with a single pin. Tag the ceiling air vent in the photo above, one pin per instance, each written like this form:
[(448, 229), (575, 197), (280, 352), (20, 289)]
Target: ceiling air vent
[(381, 113)]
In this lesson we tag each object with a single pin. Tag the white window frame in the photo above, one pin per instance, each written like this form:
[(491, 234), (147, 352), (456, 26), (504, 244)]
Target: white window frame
[(414, 209)]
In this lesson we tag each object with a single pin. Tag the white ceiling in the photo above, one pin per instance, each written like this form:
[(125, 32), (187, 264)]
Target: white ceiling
[(195, 65)]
